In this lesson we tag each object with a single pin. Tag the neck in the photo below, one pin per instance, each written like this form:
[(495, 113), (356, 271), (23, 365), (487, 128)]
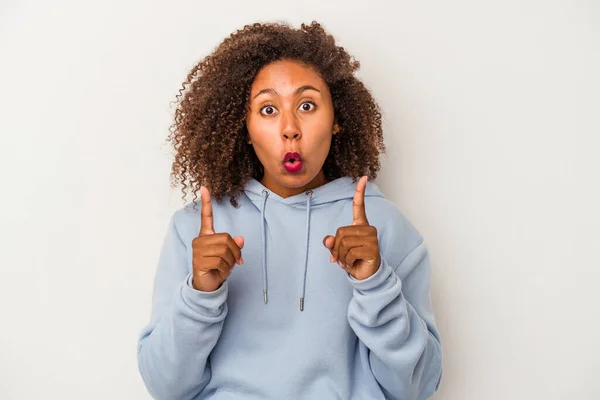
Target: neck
[(285, 191)]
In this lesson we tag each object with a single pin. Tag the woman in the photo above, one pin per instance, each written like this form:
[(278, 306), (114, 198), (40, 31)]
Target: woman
[(248, 302)]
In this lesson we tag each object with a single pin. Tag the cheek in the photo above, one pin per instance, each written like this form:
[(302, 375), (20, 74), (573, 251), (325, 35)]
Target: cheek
[(320, 148), (325, 143), (263, 141), (324, 137), (259, 133)]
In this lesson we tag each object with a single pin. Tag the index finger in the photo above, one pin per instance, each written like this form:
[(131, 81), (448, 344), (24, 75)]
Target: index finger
[(206, 212), (358, 203)]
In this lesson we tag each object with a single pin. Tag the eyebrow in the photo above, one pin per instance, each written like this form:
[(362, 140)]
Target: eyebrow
[(299, 90)]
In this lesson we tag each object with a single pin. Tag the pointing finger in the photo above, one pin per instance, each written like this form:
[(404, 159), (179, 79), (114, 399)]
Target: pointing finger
[(206, 213), (358, 203)]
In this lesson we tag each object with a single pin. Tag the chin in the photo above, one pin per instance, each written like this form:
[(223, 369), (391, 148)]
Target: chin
[(295, 180)]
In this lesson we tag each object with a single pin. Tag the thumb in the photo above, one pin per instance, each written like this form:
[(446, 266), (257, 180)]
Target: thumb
[(329, 241), (239, 240)]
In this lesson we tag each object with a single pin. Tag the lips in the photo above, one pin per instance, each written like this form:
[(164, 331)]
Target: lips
[(292, 157), (292, 162)]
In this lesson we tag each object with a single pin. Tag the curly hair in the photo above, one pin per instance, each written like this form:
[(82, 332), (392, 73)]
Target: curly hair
[(209, 131)]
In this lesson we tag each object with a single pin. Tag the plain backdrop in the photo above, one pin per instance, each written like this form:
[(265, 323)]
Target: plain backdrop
[(491, 114)]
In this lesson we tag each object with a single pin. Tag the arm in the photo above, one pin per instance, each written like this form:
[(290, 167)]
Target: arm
[(392, 317), (185, 325)]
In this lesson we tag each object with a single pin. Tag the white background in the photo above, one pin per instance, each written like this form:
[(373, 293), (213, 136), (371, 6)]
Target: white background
[(492, 127)]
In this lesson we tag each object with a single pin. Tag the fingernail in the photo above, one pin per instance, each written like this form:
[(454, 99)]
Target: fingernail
[(241, 260), (340, 264), (331, 258)]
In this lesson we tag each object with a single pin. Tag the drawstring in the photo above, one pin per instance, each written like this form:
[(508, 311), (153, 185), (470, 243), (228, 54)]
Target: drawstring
[(309, 193), (264, 244), (265, 194)]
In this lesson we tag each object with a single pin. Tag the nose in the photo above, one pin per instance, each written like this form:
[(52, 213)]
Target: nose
[(292, 135), (290, 128)]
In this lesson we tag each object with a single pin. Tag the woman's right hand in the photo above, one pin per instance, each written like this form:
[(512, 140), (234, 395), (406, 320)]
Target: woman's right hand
[(214, 254)]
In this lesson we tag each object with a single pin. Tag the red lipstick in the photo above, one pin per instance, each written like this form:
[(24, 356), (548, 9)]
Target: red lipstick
[(292, 162)]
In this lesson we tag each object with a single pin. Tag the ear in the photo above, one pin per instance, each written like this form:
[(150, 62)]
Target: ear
[(336, 128)]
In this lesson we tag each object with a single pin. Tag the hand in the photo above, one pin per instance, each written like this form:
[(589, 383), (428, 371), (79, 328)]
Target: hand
[(355, 247), (214, 254)]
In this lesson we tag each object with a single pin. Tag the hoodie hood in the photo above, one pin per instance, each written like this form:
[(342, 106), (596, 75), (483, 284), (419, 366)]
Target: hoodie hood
[(338, 189)]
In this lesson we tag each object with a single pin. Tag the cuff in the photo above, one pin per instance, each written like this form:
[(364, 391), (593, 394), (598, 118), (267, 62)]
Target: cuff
[(383, 277), (207, 303)]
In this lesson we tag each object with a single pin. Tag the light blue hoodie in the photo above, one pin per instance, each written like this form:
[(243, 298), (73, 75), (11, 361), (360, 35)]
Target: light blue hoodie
[(369, 339)]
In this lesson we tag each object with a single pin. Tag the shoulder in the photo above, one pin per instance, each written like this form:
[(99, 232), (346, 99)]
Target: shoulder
[(397, 235)]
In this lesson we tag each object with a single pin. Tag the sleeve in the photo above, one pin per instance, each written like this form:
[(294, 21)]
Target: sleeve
[(394, 322), (185, 324)]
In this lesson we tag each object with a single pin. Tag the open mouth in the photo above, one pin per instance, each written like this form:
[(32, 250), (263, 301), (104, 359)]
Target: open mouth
[(292, 162), (292, 157)]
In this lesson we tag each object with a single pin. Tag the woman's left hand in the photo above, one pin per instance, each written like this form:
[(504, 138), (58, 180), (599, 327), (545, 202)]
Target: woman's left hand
[(355, 247)]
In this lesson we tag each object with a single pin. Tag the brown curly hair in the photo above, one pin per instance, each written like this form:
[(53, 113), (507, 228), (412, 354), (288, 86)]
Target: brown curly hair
[(209, 131)]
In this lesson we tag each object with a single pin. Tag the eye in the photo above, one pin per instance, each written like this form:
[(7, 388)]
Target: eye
[(268, 110), (307, 106)]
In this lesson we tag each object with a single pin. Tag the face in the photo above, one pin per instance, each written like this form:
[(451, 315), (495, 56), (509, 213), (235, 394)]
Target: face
[(291, 123)]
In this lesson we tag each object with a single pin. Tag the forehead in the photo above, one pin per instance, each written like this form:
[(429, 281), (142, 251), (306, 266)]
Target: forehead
[(286, 75)]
